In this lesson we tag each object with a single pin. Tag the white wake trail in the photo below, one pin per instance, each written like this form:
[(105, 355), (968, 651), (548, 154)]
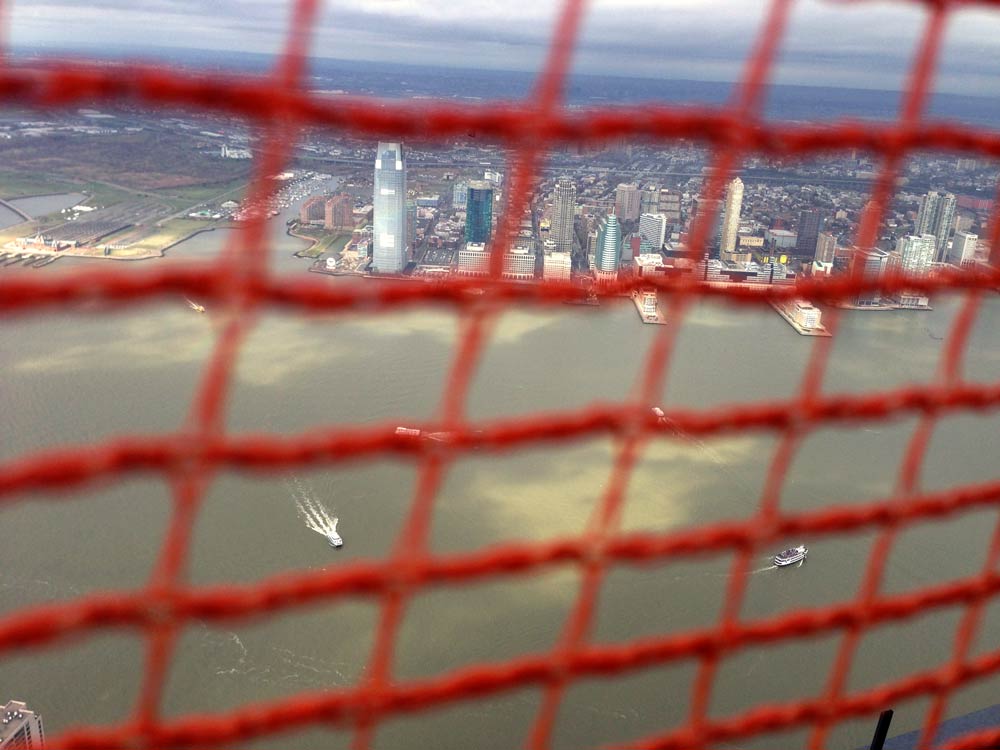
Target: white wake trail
[(312, 512)]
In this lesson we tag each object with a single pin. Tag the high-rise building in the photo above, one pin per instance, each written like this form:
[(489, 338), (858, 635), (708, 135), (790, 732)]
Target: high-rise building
[(313, 210), (649, 200), (937, 213), (653, 230), (479, 212), (628, 202), (731, 216), (20, 728), (670, 205), (609, 248), (389, 234), (963, 248), (915, 257), (916, 254), (563, 213), (460, 194), (339, 212), (810, 224), (826, 247), (875, 263)]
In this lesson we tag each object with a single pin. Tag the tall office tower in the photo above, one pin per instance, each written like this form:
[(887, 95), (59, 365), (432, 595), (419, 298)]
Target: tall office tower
[(339, 212), (627, 201), (875, 263), (389, 240), (313, 210), (20, 728), (649, 200), (653, 229), (916, 254), (826, 247), (731, 216), (479, 212), (563, 213), (937, 212), (460, 194), (810, 224), (963, 248), (609, 248), (915, 257), (670, 205)]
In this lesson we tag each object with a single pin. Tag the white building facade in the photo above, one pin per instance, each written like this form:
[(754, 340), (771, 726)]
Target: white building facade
[(653, 229), (731, 216), (20, 728), (557, 267), (963, 248)]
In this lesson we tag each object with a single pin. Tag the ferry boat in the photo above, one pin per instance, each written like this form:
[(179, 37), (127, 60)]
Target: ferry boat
[(791, 556)]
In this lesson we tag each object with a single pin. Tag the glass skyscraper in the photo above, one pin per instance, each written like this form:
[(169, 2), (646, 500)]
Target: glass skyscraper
[(609, 246), (937, 216), (479, 212), (389, 240)]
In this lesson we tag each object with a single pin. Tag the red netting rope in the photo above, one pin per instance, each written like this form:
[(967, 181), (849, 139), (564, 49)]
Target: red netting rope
[(190, 458)]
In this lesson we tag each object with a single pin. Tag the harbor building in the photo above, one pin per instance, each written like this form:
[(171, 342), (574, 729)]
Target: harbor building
[(20, 727), (557, 266), (473, 260), (519, 265)]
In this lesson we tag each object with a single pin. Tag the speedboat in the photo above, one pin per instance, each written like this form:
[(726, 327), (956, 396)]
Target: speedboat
[(333, 537), (196, 307), (791, 556)]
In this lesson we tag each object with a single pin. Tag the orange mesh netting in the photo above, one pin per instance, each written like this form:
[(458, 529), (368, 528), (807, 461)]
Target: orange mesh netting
[(188, 458)]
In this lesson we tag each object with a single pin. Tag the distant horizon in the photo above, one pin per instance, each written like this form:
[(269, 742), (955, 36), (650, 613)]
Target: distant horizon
[(183, 55)]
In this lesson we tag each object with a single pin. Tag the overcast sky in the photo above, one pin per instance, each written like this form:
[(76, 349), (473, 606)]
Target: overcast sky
[(864, 43)]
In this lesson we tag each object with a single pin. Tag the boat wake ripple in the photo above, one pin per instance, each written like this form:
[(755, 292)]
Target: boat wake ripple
[(312, 512)]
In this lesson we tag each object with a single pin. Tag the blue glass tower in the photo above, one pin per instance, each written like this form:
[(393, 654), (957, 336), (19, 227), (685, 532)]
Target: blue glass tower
[(389, 240), (479, 212), (609, 245)]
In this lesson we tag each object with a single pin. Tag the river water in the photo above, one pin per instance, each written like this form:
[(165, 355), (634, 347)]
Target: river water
[(40, 205), (77, 378)]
